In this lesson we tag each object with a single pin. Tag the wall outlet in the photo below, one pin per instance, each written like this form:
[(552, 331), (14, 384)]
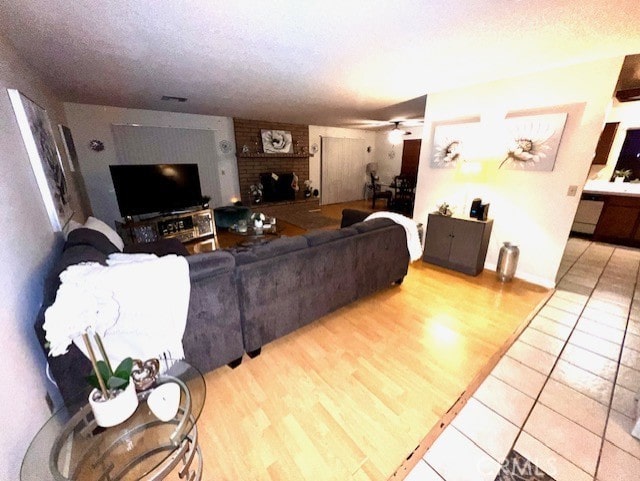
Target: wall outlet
[(572, 191)]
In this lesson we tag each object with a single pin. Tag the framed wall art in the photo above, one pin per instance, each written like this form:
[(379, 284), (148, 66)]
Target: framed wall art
[(44, 157), (453, 143), (533, 141), (276, 142)]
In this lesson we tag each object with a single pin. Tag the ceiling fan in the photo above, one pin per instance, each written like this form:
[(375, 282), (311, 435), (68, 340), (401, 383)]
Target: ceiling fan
[(396, 134)]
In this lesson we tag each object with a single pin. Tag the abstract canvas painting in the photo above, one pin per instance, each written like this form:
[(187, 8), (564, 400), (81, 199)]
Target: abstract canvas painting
[(44, 157), (276, 142), (533, 141), (452, 143)]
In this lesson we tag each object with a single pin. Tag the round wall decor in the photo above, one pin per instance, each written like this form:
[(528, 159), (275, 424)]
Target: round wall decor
[(225, 146), (314, 148), (96, 145)]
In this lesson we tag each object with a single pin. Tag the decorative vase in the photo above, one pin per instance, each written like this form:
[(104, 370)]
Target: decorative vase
[(116, 410), (257, 226)]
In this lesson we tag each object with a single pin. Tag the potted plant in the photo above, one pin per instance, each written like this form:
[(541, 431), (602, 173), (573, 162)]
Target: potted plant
[(255, 190), (308, 191), (621, 175), (113, 399)]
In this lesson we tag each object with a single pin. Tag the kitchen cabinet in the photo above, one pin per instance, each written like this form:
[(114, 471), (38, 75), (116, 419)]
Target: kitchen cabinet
[(619, 221), (457, 243)]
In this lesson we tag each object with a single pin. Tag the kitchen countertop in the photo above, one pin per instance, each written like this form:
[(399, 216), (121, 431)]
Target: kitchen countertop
[(626, 189)]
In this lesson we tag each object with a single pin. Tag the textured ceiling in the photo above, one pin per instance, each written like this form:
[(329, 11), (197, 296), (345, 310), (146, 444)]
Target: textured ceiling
[(329, 63)]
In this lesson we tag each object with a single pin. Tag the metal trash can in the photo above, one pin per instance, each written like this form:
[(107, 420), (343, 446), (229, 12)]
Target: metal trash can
[(507, 262)]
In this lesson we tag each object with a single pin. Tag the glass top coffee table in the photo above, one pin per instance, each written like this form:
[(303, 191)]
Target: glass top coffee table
[(70, 446)]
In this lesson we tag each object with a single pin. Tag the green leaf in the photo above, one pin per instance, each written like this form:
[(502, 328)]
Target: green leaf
[(92, 379), (103, 370), (117, 383), (124, 369)]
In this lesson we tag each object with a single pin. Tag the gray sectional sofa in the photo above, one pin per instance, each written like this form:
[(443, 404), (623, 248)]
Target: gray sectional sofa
[(243, 298)]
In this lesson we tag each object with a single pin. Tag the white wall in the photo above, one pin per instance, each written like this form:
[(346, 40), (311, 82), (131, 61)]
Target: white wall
[(389, 156), (88, 122), (531, 209), (316, 132), (27, 247)]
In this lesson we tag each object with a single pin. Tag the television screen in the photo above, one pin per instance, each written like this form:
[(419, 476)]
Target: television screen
[(145, 189)]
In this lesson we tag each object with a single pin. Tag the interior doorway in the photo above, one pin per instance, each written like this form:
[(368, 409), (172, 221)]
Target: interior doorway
[(410, 157)]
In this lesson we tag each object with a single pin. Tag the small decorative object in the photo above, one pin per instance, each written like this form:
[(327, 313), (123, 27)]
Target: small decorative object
[(225, 146), (245, 149), (507, 262), (258, 219), (276, 142), (621, 175), (294, 183), (316, 192), (314, 148), (444, 209), (164, 401), (308, 191), (205, 201), (242, 226), (534, 141), (255, 190), (96, 145), (451, 143), (144, 374), (44, 157), (113, 398)]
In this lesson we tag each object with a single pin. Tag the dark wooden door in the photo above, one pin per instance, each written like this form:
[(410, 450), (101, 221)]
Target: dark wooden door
[(410, 157)]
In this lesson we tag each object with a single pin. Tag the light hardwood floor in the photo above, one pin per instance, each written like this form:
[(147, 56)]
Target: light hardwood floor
[(353, 394)]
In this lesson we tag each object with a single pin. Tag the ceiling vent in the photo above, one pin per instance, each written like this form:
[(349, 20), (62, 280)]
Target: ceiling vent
[(171, 98)]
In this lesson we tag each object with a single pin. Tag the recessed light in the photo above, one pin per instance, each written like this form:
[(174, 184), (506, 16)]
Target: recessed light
[(174, 99)]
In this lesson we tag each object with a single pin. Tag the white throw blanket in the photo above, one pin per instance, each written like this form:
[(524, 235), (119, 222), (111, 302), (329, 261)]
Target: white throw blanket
[(148, 295), (410, 227)]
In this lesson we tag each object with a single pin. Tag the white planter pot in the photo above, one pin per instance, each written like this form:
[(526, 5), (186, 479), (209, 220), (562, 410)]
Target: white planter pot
[(117, 410), (618, 180)]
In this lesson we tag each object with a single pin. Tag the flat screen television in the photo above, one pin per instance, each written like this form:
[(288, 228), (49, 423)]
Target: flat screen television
[(163, 188)]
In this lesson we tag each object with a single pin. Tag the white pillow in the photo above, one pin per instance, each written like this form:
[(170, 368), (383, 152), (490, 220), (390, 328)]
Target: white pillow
[(112, 235), (71, 225)]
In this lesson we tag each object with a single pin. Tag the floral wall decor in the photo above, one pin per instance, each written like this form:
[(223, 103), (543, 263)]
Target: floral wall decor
[(452, 143), (533, 141), (276, 142), (44, 156)]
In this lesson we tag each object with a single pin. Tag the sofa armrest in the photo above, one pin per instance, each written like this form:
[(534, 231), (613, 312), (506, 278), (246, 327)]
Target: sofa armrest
[(353, 216)]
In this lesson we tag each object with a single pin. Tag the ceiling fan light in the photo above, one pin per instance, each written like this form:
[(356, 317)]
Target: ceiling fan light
[(395, 136)]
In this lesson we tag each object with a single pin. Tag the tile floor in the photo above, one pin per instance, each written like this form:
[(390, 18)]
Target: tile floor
[(561, 403)]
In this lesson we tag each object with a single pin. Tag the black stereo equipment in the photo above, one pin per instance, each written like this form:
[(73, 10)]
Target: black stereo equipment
[(475, 207)]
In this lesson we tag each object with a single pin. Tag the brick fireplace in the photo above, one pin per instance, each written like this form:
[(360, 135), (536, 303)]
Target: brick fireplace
[(255, 162)]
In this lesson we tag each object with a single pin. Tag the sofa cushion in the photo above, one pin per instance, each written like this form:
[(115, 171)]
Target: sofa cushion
[(319, 237), (274, 248), (92, 238), (160, 248), (353, 216), (372, 224), (112, 235), (209, 264)]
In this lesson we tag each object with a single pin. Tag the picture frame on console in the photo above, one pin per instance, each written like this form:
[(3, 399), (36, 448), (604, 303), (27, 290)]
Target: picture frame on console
[(44, 156)]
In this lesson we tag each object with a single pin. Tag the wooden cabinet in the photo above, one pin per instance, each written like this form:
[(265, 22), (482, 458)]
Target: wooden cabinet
[(457, 243), (604, 143), (619, 222), (185, 227)]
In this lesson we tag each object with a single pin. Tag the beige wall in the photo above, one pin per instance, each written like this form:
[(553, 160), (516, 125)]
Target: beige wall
[(27, 247), (530, 209)]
